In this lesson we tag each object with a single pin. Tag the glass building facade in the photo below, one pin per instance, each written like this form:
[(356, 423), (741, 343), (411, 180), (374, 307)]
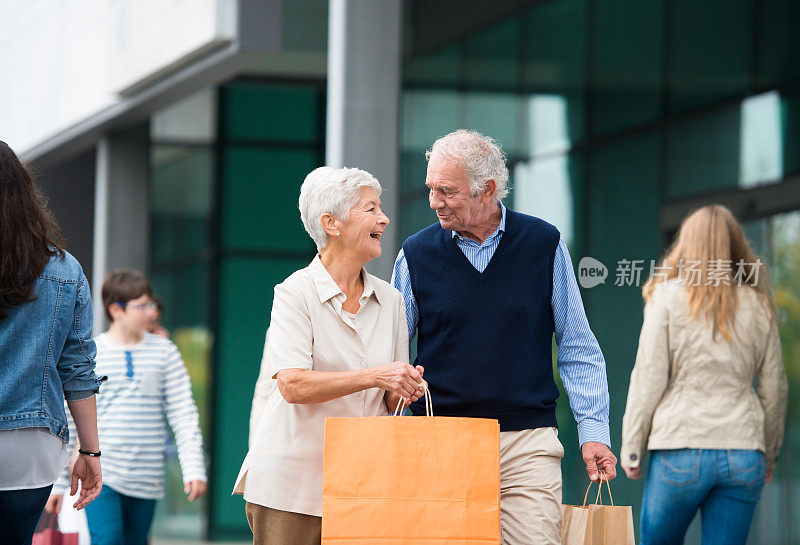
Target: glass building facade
[(226, 168), (618, 118)]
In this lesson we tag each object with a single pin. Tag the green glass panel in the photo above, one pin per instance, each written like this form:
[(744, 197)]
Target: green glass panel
[(791, 134), (259, 203), (427, 115), (184, 292), (761, 141), (438, 69), (246, 293), (709, 51), (491, 57), (777, 241), (281, 113), (185, 295), (554, 46), (181, 198), (551, 188), (778, 42), (626, 57), (413, 170), (415, 215), (548, 123), (703, 154), (495, 115), (623, 223)]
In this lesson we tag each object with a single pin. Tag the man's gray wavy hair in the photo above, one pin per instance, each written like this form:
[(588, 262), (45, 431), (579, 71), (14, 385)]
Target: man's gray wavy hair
[(328, 190), (481, 156)]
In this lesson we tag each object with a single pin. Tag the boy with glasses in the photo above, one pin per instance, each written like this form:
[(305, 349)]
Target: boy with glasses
[(147, 380)]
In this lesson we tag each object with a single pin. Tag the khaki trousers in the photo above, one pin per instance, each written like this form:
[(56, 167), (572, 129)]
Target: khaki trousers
[(530, 487), (274, 527)]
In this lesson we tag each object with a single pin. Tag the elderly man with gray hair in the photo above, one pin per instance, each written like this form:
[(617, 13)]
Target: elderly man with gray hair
[(337, 346), (485, 289)]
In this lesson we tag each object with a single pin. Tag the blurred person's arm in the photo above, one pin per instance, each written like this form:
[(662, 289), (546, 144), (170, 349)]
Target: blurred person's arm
[(772, 392), (86, 469), (649, 381), (62, 484), (184, 420), (76, 363), (80, 384)]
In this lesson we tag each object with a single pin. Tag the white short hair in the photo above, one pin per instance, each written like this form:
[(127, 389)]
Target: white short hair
[(481, 157), (334, 191)]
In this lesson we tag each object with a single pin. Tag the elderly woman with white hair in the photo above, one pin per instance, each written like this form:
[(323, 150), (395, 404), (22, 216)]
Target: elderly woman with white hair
[(338, 346)]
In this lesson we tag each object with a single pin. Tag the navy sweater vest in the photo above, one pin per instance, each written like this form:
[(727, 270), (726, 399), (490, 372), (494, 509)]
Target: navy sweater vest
[(485, 339)]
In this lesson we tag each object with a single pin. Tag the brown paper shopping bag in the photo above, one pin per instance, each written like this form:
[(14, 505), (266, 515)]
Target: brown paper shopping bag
[(597, 524), (411, 480)]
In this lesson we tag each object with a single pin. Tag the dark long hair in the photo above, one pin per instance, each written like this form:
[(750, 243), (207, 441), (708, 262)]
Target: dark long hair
[(29, 236)]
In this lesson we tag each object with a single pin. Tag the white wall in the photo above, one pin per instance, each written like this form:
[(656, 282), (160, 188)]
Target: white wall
[(65, 60)]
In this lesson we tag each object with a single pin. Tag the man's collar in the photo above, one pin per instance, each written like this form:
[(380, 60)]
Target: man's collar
[(501, 228), (327, 288)]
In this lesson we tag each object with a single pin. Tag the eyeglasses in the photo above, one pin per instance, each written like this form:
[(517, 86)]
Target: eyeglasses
[(152, 305), (129, 364)]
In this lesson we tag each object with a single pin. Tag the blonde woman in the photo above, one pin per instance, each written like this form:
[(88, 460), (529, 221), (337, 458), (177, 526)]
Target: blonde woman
[(708, 392)]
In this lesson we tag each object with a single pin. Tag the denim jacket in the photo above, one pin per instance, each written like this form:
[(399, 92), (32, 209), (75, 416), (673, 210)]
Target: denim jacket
[(47, 352)]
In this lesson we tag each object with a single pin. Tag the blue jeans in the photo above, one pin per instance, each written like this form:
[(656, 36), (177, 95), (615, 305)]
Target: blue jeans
[(117, 519), (19, 512), (724, 484)]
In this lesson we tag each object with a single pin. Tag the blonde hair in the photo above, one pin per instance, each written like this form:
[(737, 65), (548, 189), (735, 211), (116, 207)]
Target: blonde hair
[(709, 237)]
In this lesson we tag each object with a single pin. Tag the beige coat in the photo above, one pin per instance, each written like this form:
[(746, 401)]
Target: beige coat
[(689, 391)]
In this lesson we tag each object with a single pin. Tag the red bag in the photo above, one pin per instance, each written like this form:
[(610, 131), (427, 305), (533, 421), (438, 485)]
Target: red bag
[(47, 532)]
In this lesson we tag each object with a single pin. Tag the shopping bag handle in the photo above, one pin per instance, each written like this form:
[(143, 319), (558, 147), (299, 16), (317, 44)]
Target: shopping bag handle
[(48, 521), (603, 477), (428, 405)]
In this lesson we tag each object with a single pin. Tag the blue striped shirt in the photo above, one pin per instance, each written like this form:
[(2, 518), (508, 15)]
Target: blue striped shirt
[(148, 386), (580, 362)]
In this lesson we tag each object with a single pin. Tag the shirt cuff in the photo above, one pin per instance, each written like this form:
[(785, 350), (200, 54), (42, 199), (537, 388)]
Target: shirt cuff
[(195, 476), (630, 457), (77, 389), (593, 431)]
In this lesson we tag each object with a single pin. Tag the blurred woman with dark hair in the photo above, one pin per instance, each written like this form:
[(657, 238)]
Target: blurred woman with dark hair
[(708, 392), (47, 357)]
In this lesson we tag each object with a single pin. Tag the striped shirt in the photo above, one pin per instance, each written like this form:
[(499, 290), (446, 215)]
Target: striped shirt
[(146, 383), (580, 362)]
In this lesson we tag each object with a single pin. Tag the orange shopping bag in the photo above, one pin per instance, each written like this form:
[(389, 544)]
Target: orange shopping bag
[(411, 480)]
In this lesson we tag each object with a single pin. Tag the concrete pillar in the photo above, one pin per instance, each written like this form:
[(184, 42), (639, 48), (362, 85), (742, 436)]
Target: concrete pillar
[(363, 101), (69, 188), (121, 231)]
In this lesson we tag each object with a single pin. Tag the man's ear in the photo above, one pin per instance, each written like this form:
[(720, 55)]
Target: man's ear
[(488, 191), (330, 224)]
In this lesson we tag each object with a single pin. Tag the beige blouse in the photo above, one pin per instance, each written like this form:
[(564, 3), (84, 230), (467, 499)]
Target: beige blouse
[(309, 330), (690, 391)]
